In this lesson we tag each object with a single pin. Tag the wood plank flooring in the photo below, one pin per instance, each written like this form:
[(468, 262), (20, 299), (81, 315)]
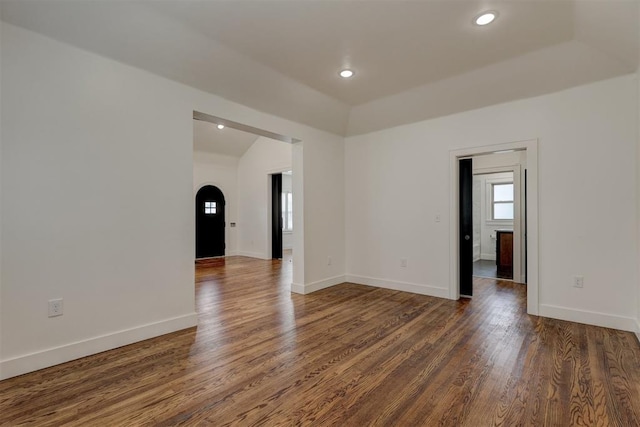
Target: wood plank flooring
[(349, 355)]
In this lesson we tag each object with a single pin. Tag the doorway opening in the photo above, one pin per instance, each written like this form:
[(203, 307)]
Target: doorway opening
[(494, 225), (210, 222), (514, 190), (241, 161), (281, 214)]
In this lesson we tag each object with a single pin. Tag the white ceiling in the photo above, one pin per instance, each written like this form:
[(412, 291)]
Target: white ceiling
[(413, 59), (393, 46), (228, 141)]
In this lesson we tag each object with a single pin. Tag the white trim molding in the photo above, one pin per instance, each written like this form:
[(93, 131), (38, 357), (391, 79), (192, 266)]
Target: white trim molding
[(316, 286), (589, 317), (65, 353), (259, 255), (415, 288)]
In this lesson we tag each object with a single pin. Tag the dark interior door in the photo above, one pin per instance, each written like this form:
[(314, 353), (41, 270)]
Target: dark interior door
[(466, 227), (276, 216), (525, 246), (210, 222)]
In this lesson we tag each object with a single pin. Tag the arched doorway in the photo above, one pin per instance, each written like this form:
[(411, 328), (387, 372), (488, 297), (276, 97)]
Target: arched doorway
[(210, 223)]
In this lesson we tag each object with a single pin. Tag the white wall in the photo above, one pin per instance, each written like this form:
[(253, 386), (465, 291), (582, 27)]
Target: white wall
[(587, 165), (265, 157), (638, 192), (221, 171), (1, 292), (324, 215), (97, 187)]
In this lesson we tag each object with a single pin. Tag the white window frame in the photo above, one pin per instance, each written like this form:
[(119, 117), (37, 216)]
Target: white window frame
[(494, 202), (489, 201)]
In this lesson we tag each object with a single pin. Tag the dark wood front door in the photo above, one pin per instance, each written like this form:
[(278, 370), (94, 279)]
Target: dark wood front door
[(210, 222), (466, 227)]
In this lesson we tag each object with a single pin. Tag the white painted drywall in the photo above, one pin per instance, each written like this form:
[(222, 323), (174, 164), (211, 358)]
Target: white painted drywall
[(265, 157), (324, 214), (638, 190), (97, 188), (587, 164), (221, 171), (1, 292)]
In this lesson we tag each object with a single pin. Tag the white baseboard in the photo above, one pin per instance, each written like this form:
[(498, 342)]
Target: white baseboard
[(316, 286), (589, 317), (258, 255), (416, 288), (65, 353), (638, 329), (488, 257)]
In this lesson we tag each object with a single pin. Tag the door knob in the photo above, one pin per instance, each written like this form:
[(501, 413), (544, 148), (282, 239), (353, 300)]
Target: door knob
[(467, 237)]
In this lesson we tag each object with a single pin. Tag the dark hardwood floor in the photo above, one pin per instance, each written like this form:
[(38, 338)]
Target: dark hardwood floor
[(349, 355)]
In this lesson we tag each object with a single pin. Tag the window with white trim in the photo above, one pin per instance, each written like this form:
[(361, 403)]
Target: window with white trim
[(502, 201), (287, 211)]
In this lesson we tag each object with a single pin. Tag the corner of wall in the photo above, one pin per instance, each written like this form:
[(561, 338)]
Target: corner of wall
[(316, 286)]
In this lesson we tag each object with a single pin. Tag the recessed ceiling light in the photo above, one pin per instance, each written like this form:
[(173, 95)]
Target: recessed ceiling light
[(220, 127), (486, 18), (346, 73)]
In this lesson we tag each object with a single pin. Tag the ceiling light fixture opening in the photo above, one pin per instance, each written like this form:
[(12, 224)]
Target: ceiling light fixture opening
[(346, 73), (486, 18), (220, 127)]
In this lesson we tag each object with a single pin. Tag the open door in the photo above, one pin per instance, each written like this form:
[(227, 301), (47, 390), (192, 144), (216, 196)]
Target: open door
[(466, 227), (210, 223), (276, 216)]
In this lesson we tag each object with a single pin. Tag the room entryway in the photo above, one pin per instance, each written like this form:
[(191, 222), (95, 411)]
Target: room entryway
[(210, 222), (512, 240), (494, 208)]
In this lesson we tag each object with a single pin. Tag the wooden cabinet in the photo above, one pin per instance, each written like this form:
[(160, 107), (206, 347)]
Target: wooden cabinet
[(504, 254)]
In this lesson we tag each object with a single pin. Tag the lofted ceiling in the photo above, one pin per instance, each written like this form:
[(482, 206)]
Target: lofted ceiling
[(228, 141), (413, 59)]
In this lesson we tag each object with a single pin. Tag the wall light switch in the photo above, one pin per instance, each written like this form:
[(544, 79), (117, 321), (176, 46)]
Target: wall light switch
[(56, 307), (438, 218)]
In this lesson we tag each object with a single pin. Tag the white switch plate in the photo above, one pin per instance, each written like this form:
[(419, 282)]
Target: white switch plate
[(578, 281), (438, 218), (56, 307), (403, 262)]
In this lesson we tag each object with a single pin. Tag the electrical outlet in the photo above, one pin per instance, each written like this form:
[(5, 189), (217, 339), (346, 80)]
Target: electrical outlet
[(403, 262), (56, 307), (578, 281)]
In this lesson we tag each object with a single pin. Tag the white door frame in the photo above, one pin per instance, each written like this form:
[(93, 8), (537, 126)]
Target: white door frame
[(531, 147)]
